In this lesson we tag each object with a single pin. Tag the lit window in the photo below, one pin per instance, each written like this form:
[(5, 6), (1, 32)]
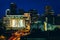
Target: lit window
[(21, 23), (14, 23)]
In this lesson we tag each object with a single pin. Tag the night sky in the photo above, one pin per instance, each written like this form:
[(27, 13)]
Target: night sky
[(30, 4)]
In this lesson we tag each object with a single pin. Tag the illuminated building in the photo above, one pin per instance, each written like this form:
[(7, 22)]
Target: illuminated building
[(24, 22), (35, 19), (45, 25), (49, 14), (14, 21), (17, 21)]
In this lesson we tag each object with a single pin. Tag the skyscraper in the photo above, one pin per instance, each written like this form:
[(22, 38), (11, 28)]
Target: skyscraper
[(13, 8), (49, 13), (34, 15)]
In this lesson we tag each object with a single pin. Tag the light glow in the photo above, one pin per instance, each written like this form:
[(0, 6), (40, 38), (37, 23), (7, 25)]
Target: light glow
[(45, 26), (14, 23), (21, 23)]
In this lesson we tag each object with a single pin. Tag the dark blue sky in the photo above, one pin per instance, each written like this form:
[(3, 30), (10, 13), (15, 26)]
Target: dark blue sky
[(30, 4)]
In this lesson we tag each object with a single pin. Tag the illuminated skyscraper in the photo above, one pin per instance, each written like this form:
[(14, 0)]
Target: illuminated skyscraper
[(49, 14)]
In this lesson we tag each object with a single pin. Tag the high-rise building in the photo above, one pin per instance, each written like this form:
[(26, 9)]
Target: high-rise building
[(34, 15), (48, 17), (13, 8), (17, 22), (49, 13)]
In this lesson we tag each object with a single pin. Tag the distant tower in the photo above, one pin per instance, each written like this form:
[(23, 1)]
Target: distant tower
[(49, 16), (49, 11), (8, 12), (13, 8), (34, 15)]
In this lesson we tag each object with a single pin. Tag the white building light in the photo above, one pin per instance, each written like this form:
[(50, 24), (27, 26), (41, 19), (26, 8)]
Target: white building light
[(21, 23)]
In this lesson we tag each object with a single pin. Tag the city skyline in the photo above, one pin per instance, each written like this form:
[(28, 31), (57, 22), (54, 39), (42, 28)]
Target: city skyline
[(27, 19), (30, 4)]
